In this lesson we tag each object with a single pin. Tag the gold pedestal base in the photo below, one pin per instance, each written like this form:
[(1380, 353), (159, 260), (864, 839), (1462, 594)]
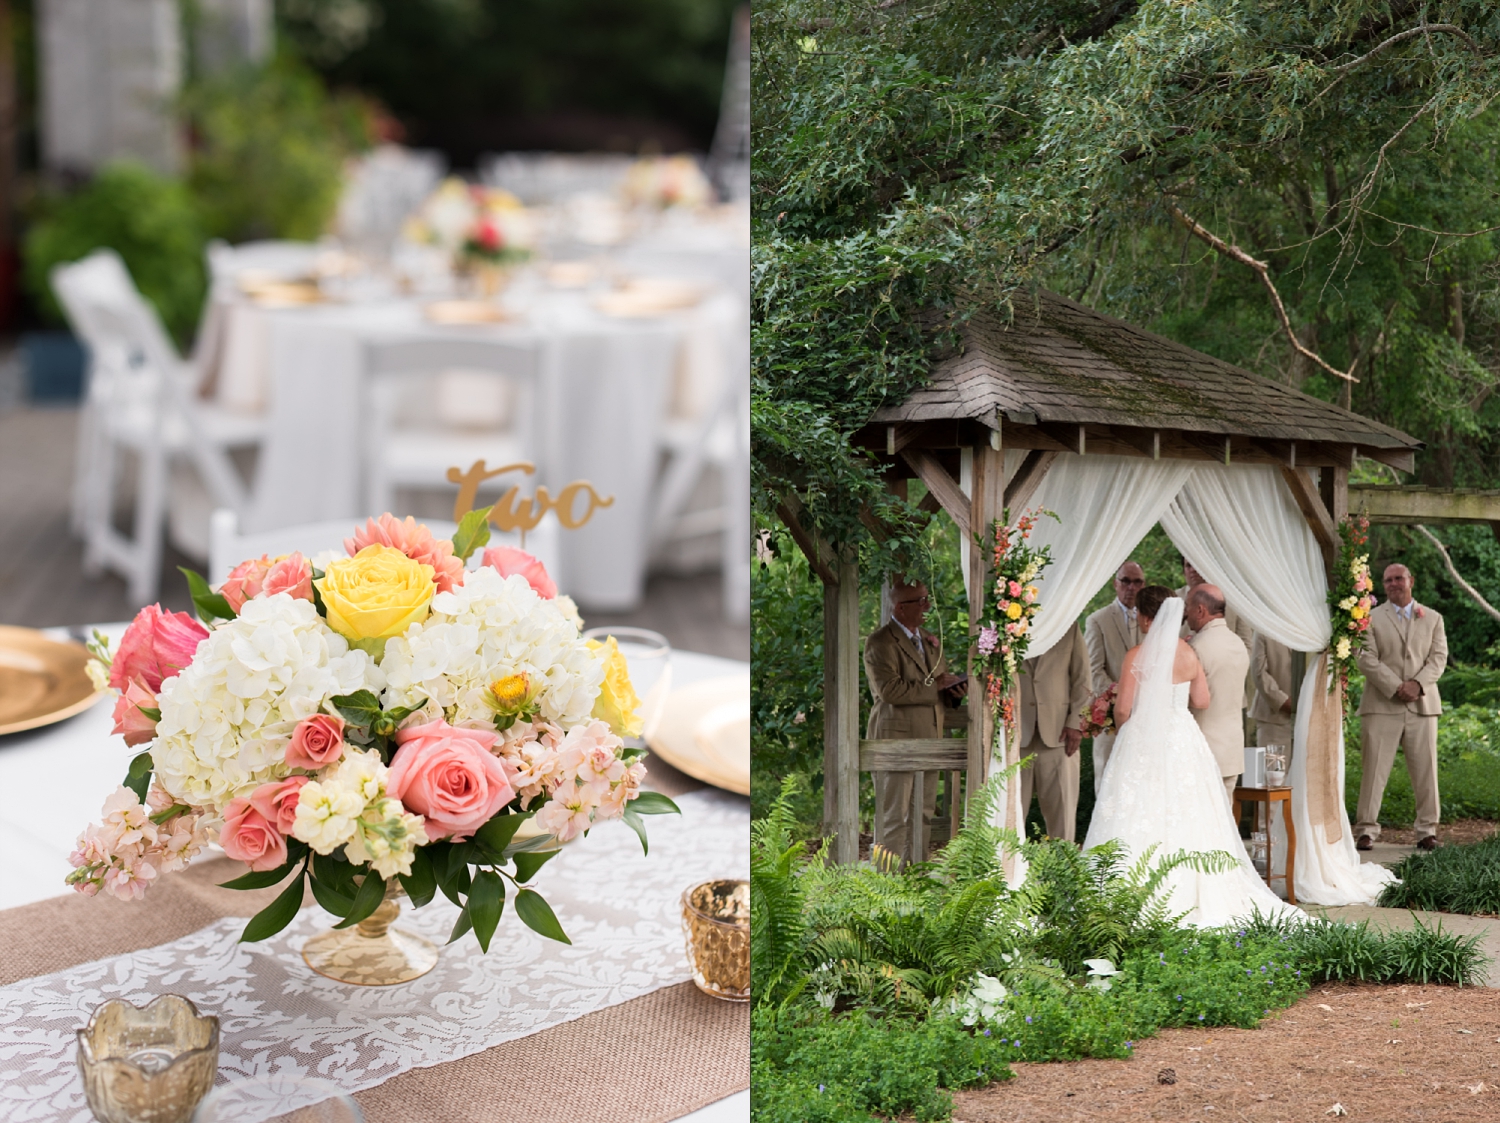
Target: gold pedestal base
[(371, 954)]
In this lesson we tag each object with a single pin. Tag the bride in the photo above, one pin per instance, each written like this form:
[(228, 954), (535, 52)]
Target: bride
[(1163, 786)]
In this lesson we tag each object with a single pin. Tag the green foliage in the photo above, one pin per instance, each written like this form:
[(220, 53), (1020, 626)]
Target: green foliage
[(1330, 951), (845, 1070), (149, 220), (778, 928), (1462, 879), (269, 151), (1468, 769)]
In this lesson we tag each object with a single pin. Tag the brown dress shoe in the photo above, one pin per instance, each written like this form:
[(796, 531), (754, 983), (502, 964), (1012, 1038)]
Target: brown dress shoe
[(1428, 843), (1365, 843)]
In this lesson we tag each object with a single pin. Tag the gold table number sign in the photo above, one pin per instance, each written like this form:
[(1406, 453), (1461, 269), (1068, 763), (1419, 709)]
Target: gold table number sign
[(515, 511)]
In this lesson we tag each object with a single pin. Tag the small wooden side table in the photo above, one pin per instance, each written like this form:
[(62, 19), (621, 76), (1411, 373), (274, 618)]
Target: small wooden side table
[(1268, 796)]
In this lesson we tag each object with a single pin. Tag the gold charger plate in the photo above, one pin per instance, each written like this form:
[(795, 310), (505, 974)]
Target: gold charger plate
[(705, 731), (466, 312), (41, 681)]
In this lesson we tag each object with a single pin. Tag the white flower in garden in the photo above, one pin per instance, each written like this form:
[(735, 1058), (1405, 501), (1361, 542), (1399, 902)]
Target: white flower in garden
[(984, 1002), (1100, 972), (227, 717), (487, 629)]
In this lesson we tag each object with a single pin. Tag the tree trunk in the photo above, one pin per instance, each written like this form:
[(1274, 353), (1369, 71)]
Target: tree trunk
[(1453, 300)]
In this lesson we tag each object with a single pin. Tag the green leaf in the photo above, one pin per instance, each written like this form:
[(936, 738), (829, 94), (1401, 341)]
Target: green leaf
[(537, 915), (151, 712), (210, 605), (361, 708), (262, 879), (330, 898), (486, 903), (653, 803), (332, 870), (138, 778), (528, 864), (473, 532), (637, 824), (277, 915), (461, 925), (421, 883), (496, 834), (366, 899)]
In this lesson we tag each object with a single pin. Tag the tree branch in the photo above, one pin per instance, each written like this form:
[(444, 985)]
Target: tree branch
[(1457, 578), (1401, 37), (1263, 271)]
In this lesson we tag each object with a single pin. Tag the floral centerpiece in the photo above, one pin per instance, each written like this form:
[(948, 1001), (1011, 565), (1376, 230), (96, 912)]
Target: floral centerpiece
[(479, 227), (390, 719), (1010, 605), (1351, 599), (667, 181)]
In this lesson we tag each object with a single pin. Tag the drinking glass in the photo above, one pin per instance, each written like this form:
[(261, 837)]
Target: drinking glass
[(648, 656)]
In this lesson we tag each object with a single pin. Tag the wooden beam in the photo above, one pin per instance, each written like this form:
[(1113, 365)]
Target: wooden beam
[(986, 505), (940, 484), (846, 732), (1415, 504), (1401, 459), (930, 755), (1028, 478), (1333, 489), (930, 504), (1299, 480), (819, 554), (830, 709)]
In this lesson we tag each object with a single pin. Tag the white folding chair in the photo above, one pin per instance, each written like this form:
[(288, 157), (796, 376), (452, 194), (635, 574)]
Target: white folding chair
[(141, 400), (439, 403)]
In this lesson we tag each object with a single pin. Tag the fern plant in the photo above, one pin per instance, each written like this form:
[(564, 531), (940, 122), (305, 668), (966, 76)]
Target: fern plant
[(778, 927)]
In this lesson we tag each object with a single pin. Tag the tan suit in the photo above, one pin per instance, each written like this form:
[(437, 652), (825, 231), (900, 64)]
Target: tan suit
[(1108, 638), (1398, 651), (1271, 668), (1054, 691), (1236, 624), (1225, 661), (907, 704)]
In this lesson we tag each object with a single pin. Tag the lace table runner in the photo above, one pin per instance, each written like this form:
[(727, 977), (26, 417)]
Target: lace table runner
[(277, 1017)]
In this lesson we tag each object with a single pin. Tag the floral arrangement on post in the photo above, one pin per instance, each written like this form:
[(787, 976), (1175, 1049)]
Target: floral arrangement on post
[(1098, 717), (1010, 604), (392, 718), (1352, 598)]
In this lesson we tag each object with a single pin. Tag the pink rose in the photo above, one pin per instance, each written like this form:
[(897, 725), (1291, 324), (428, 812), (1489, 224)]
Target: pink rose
[(511, 562), (317, 740), (137, 727), (277, 803), (155, 647), (250, 837), (245, 581), (450, 776), (292, 575), (416, 542)]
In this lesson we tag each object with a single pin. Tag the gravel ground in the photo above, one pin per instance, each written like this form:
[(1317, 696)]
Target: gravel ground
[(1395, 1053)]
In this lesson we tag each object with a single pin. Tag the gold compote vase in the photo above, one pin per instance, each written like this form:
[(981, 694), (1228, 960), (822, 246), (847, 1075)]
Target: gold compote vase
[(372, 953)]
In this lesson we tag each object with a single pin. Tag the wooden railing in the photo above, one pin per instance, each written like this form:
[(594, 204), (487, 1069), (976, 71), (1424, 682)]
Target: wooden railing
[(921, 756)]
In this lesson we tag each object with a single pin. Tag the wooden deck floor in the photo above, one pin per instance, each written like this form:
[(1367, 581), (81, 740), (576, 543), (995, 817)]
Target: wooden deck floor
[(42, 583)]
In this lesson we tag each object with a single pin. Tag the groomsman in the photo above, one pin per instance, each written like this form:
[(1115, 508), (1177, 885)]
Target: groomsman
[(1054, 691), (1226, 662), (1271, 668), (909, 684), (1108, 634), (1405, 652)]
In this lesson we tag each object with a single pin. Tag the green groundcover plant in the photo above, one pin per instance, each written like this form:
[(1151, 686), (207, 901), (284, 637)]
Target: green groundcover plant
[(1463, 879), (877, 988)]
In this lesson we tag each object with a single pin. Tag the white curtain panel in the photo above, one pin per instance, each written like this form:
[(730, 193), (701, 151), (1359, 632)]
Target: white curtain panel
[(1107, 504), (1240, 527)]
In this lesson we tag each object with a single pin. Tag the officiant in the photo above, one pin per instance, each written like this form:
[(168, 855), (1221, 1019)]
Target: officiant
[(1226, 662), (1109, 634), (1054, 692), (910, 686)]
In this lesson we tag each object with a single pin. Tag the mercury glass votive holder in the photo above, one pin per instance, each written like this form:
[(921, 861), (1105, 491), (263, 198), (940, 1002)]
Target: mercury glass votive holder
[(716, 920), (148, 1064)]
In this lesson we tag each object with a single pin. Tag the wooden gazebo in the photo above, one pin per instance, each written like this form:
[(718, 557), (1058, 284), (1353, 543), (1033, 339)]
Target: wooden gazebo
[(1058, 377)]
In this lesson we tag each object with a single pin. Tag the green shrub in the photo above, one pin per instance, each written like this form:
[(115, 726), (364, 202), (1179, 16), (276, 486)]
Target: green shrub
[(816, 1069), (1462, 879), (1331, 951), (1468, 770), (146, 218)]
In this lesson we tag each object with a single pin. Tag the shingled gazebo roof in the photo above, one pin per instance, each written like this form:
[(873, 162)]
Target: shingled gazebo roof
[(1066, 377)]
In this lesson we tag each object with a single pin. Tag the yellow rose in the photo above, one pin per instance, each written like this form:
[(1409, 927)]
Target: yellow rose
[(617, 701), (1013, 610), (376, 594), (1359, 613)]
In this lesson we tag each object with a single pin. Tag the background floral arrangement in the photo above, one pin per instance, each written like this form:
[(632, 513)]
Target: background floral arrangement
[(474, 223), (1351, 599), (392, 717), (1098, 716), (1010, 604)]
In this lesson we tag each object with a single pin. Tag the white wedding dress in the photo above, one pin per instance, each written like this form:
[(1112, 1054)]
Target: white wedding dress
[(1163, 787)]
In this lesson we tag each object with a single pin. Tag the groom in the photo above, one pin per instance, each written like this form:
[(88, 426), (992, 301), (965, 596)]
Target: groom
[(1225, 664)]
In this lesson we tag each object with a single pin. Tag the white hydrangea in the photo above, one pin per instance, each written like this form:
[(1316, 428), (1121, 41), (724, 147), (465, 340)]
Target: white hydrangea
[(485, 629), (227, 717)]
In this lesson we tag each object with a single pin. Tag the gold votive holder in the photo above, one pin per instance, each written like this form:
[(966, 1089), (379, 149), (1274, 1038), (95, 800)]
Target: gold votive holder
[(148, 1064), (716, 921)]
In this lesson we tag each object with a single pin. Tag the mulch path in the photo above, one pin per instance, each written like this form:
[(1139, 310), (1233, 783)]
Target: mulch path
[(1385, 1053), (1456, 833)]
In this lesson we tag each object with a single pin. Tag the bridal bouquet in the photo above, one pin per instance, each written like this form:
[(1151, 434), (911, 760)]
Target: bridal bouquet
[(1098, 716), (1010, 604), (1352, 598), (388, 718)]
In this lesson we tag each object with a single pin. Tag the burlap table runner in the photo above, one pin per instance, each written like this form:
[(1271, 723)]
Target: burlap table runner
[(652, 1058)]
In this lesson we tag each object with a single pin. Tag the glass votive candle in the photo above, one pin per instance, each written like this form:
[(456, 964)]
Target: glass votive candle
[(149, 1064), (716, 920)]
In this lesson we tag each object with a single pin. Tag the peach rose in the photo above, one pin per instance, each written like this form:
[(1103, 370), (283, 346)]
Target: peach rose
[(245, 581), (317, 741), (155, 647), (137, 727), (510, 561), (450, 776), (291, 574), (277, 803), (415, 541), (249, 836)]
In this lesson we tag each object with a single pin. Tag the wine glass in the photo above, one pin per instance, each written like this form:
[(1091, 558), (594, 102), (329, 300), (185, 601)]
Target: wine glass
[(648, 656)]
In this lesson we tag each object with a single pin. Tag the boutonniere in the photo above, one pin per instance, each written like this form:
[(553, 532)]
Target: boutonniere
[(1417, 612)]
